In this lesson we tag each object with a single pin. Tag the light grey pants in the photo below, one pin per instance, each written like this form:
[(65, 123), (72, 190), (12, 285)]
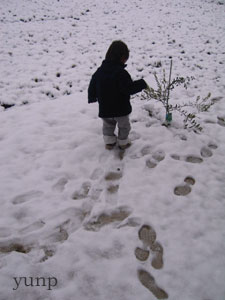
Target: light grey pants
[(109, 126)]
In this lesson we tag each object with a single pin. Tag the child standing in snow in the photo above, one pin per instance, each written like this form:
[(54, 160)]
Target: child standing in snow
[(111, 85)]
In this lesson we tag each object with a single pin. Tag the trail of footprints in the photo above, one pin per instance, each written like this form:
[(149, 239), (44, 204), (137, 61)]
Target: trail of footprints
[(153, 248), (185, 188), (104, 181), (118, 217), (112, 178), (28, 238), (206, 151)]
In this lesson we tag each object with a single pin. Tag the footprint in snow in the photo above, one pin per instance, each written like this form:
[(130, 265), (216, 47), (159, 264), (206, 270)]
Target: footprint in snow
[(134, 136), (149, 245), (17, 246), (71, 219), (206, 151), (33, 227), (114, 175), (27, 197), (189, 158), (111, 190), (221, 121), (48, 252), (131, 222), (148, 281), (153, 157), (212, 145), (112, 184), (156, 157), (114, 216), (60, 185), (83, 192), (185, 188), (87, 190), (144, 151), (182, 137), (60, 235)]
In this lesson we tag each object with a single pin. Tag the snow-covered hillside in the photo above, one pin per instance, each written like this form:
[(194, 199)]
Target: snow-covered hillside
[(91, 223)]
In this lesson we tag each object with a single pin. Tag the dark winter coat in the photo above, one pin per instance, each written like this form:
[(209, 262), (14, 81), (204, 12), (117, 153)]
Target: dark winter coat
[(111, 85)]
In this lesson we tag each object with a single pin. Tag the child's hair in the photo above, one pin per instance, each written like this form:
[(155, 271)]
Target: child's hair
[(117, 51)]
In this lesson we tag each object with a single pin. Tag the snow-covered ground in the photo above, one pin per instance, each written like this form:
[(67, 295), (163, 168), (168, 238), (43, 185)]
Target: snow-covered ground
[(72, 211)]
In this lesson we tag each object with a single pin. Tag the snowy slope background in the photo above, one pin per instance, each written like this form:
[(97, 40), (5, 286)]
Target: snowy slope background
[(70, 209)]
